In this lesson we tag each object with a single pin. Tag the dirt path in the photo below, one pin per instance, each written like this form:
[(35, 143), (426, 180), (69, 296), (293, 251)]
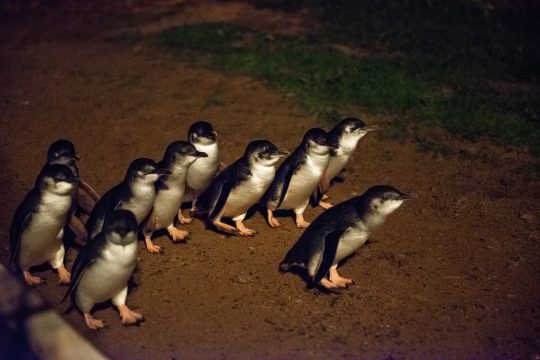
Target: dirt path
[(453, 274)]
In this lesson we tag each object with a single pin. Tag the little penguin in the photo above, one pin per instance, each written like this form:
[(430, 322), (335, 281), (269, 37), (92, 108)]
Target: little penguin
[(63, 152), (240, 186), (36, 234), (170, 190), (298, 177), (343, 139), (201, 135), (136, 194), (338, 232), (104, 266)]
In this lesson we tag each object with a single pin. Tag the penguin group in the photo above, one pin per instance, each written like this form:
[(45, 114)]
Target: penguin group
[(150, 199)]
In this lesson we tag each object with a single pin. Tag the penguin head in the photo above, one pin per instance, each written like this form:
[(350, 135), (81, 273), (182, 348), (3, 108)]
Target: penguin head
[(350, 129), (58, 179), (263, 152), (384, 199), (144, 170), (182, 153), (62, 152), (120, 227), (315, 142), (202, 133)]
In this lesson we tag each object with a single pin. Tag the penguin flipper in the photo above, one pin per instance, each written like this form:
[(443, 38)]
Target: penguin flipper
[(281, 182), (212, 200), (330, 245), (286, 181), (21, 220), (106, 205), (86, 258), (220, 203)]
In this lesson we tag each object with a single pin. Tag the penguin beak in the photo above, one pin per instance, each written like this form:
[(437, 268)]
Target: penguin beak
[(408, 196), (77, 157), (371, 128), (282, 153), (200, 154)]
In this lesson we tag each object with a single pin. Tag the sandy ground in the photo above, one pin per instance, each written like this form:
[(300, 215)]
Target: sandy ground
[(452, 275)]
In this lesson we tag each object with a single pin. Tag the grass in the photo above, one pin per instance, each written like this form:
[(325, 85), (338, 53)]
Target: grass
[(448, 54)]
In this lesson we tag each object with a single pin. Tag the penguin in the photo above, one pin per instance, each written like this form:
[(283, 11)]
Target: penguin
[(170, 191), (338, 232), (343, 139), (63, 152), (37, 228), (240, 186), (136, 194), (298, 177), (201, 135), (103, 268)]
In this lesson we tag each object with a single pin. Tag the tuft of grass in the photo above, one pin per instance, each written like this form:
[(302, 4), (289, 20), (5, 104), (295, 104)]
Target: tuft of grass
[(452, 36), (213, 38), (419, 84)]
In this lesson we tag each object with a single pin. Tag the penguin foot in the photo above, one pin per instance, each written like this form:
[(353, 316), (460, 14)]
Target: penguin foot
[(129, 316), (64, 275), (272, 221), (300, 222), (184, 220), (177, 234), (243, 230), (151, 247), (92, 323), (339, 280), (31, 279), (325, 204), (324, 197), (225, 227), (328, 284)]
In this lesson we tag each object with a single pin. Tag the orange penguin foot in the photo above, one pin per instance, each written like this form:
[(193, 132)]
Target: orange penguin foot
[(92, 323), (177, 234), (129, 316), (31, 279)]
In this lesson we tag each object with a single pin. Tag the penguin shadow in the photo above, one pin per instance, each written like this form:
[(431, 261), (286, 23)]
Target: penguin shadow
[(311, 286), (160, 233), (277, 214), (210, 226)]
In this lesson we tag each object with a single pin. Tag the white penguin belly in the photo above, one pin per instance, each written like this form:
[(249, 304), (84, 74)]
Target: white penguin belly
[(166, 207), (107, 276), (39, 242), (303, 184), (350, 241), (248, 193), (336, 165), (141, 204), (202, 171)]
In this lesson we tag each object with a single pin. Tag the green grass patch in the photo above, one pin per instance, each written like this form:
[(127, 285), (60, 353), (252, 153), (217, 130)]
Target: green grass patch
[(324, 79)]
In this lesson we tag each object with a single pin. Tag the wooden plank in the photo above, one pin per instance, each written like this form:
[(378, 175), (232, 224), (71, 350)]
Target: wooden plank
[(32, 328)]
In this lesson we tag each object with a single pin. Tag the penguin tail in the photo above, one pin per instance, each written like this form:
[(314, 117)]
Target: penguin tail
[(286, 266)]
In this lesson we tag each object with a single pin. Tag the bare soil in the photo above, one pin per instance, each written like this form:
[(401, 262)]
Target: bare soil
[(452, 275)]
